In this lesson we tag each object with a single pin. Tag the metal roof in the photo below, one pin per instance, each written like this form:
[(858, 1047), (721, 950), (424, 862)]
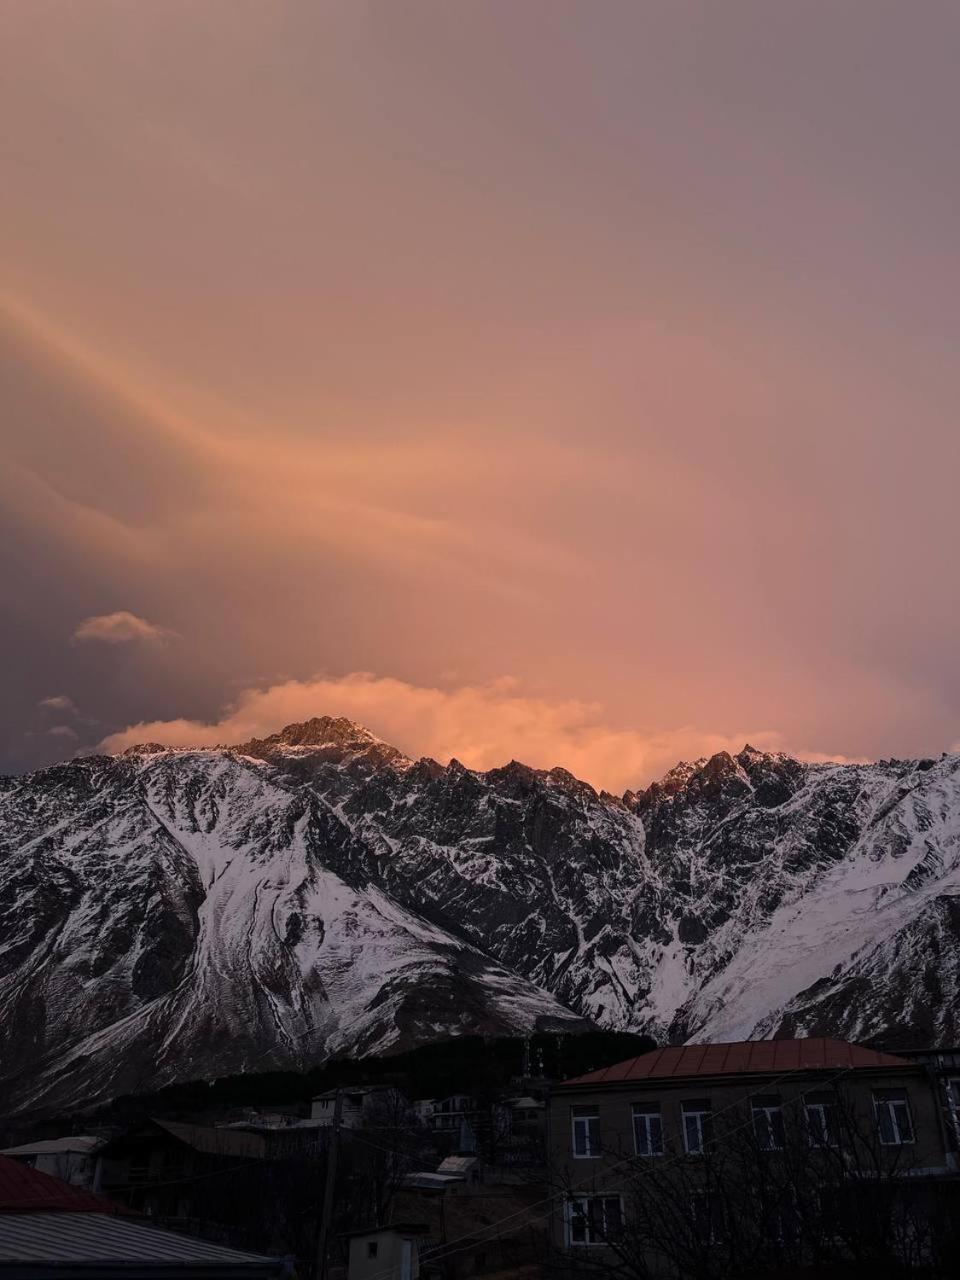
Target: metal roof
[(91, 1238), (82, 1144), (457, 1164), (430, 1180), (215, 1141), (747, 1057), (24, 1190)]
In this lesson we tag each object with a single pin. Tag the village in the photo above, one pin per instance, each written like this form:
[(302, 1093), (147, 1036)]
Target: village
[(766, 1158)]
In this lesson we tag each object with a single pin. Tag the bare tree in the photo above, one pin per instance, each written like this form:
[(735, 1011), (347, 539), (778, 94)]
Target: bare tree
[(810, 1186)]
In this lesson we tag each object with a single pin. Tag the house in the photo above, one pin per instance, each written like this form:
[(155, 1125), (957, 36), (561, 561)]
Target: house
[(675, 1140), (50, 1230), (155, 1167), (72, 1159), (386, 1253), (360, 1106), (457, 1117)]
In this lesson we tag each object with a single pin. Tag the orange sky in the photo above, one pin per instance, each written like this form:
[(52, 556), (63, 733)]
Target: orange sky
[(545, 379)]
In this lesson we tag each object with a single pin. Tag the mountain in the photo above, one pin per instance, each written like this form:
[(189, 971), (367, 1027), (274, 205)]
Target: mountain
[(175, 913)]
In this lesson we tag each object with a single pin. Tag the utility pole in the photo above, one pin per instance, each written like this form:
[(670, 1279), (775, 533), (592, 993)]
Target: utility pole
[(329, 1187)]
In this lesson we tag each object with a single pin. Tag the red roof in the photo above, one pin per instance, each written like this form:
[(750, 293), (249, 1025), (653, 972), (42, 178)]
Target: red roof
[(748, 1057), (26, 1190)]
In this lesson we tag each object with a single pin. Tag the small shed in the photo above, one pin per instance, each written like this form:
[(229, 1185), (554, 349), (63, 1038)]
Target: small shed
[(389, 1253)]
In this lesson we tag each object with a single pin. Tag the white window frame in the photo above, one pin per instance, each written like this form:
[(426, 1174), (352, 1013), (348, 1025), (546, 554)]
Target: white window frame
[(826, 1113), (645, 1112), (764, 1116), (893, 1107), (584, 1212), (589, 1120), (700, 1114)]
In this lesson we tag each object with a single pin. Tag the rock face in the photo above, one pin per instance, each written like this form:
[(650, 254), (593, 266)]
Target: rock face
[(168, 914)]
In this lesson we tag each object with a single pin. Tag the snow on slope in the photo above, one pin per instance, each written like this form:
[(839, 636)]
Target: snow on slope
[(175, 913)]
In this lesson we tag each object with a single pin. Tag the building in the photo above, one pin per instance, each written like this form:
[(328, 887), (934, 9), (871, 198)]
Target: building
[(50, 1230), (156, 1167), (687, 1134), (363, 1105), (72, 1159), (386, 1253), (942, 1067), (457, 1117)]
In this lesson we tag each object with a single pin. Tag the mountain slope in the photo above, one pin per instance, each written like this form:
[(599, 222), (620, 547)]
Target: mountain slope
[(175, 913)]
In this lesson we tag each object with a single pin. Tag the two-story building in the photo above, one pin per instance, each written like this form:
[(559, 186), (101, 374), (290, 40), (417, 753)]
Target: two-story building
[(706, 1145), (459, 1117), (360, 1105)]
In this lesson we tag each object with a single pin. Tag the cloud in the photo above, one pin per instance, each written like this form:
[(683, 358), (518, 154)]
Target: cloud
[(481, 725), (59, 702), (121, 627), (62, 731)]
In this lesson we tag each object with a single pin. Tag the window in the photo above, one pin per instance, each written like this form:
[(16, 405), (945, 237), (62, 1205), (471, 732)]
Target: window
[(768, 1123), (780, 1220), (647, 1129), (373, 1248), (594, 1219), (953, 1105), (697, 1126), (820, 1113), (706, 1215), (893, 1116), (586, 1131)]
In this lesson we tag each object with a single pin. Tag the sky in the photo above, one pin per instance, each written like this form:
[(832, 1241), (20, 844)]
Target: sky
[(573, 382)]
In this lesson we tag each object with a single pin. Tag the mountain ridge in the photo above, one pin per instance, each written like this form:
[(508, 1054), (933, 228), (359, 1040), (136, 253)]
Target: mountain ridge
[(206, 910)]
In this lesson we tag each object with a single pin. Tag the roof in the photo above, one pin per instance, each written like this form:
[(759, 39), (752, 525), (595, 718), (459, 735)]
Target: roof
[(457, 1164), (91, 1238), (217, 1141), (429, 1180), (746, 1057), (26, 1190), (82, 1144), (397, 1228)]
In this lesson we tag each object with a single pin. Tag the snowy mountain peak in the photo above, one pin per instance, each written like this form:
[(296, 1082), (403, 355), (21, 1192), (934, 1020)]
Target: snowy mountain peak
[(323, 731), (178, 913), (333, 738)]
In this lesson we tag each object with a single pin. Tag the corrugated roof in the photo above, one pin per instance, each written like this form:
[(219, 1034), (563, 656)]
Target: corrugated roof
[(457, 1164), (217, 1142), (25, 1190), (82, 1144), (93, 1237), (746, 1057)]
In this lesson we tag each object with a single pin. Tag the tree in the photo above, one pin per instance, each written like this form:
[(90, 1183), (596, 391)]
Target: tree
[(816, 1186)]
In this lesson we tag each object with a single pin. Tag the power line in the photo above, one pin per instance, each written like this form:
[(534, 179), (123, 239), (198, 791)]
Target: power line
[(474, 1237)]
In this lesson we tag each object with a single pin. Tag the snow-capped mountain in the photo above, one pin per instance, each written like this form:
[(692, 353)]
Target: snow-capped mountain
[(173, 913)]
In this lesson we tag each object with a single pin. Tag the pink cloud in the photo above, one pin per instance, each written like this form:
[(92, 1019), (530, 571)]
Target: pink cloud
[(481, 725), (121, 627), (58, 702)]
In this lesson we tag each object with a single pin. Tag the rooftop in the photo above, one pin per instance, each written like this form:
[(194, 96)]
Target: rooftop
[(95, 1240), (26, 1190), (82, 1143), (746, 1057)]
